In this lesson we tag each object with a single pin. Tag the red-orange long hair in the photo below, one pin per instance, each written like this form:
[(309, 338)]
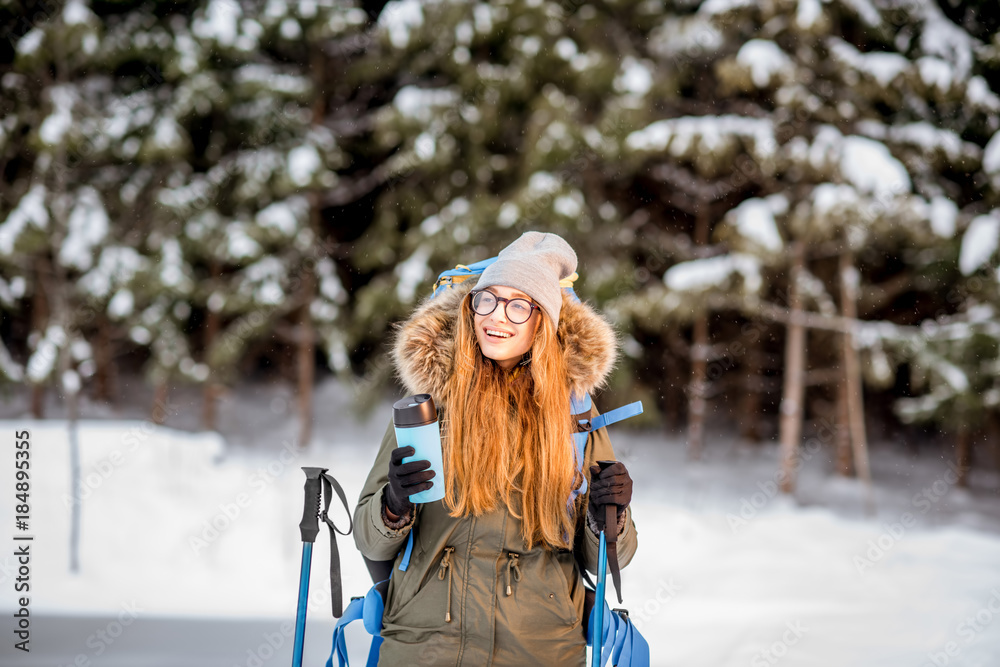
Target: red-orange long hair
[(506, 436)]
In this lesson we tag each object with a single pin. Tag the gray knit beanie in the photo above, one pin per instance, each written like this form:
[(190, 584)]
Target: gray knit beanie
[(534, 264)]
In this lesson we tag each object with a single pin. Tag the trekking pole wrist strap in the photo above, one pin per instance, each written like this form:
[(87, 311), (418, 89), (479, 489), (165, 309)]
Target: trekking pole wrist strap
[(336, 585), (319, 489)]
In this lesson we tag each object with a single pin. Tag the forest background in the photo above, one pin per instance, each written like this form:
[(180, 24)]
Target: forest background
[(212, 214), (789, 208)]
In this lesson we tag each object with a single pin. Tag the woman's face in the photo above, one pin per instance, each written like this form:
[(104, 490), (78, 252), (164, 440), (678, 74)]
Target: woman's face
[(500, 339)]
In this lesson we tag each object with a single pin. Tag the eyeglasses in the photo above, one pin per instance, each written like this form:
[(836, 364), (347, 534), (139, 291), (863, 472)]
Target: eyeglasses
[(518, 311)]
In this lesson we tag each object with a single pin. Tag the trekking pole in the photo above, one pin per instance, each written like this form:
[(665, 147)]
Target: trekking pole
[(597, 624), (309, 529)]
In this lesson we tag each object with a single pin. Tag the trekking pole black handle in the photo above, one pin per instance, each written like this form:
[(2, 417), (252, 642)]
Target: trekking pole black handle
[(309, 526), (611, 538)]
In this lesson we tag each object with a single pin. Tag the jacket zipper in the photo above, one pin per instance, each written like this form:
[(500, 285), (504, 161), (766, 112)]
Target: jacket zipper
[(446, 567), (512, 564)]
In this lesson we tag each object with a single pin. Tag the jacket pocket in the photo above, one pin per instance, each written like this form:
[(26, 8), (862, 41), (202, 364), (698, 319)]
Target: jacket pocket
[(540, 598), (563, 590), (423, 599)]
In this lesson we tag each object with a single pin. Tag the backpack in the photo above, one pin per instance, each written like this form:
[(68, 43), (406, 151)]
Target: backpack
[(618, 636)]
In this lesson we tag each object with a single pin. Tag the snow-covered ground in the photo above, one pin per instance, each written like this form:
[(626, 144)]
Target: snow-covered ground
[(179, 527)]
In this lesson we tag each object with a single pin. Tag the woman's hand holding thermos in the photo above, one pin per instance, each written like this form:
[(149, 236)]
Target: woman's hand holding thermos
[(414, 419), (406, 479)]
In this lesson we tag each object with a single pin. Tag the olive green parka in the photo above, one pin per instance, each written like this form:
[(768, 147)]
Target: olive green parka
[(473, 594)]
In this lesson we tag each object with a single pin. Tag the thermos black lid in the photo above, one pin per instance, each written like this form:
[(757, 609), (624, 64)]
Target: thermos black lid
[(416, 410)]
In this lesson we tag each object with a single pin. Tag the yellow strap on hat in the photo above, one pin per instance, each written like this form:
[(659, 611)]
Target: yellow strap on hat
[(568, 282)]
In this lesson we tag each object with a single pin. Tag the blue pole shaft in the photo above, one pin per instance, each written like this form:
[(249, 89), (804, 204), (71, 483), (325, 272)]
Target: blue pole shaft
[(300, 613), (597, 632)]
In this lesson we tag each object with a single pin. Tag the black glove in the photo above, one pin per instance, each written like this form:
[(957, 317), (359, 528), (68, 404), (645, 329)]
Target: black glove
[(405, 479), (611, 486)]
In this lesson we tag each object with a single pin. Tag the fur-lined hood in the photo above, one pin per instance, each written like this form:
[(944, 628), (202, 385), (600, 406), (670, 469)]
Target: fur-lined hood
[(424, 345)]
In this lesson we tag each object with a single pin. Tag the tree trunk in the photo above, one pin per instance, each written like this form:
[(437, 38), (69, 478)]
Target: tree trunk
[(307, 331), (209, 395), (39, 320), (307, 361), (76, 519), (210, 392), (793, 391), (751, 398), (852, 373), (160, 395), (104, 376), (673, 392), (963, 455), (38, 401), (993, 435), (842, 434), (697, 389), (63, 311), (70, 394)]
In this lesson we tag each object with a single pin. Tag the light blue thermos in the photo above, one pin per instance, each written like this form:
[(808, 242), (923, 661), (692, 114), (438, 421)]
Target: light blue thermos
[(416, 424)]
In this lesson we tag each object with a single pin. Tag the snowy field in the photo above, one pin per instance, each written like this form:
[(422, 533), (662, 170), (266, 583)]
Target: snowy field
[(196, 539)]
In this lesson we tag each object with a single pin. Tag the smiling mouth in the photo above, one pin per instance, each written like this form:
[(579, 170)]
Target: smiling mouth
[(496, 333)]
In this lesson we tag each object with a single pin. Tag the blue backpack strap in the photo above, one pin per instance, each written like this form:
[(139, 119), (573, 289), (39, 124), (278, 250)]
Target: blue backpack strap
[(580, 406), (369, 610), (616, 415), (374, 608), (639, 649), (359, 609), (567, 286), (405, 563), (459, 275), (621, 642), (377, 646), (623, 637), (611, 624), (353, 612), (634, 649)]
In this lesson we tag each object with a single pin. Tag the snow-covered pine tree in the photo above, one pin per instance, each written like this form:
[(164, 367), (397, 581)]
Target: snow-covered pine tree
[(500, 119), (58, 229), (684, 148), (953, 359), (863, 122), (245, 213), (204, 130)]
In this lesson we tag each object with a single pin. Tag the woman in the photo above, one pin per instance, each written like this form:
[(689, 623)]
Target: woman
[(494, 576)]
